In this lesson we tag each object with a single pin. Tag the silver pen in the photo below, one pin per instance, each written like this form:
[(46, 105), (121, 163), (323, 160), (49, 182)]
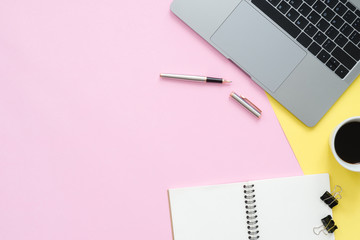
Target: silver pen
[(247, 104), (195, 78)]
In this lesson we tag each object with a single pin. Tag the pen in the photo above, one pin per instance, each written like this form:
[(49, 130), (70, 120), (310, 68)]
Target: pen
[(247, 104), (195, 78)]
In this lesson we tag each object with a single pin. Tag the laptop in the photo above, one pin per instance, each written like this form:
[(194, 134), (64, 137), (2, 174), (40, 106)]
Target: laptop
[(304, 53)]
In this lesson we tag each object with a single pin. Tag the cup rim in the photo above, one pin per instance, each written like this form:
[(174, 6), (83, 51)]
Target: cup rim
[(352, 167)]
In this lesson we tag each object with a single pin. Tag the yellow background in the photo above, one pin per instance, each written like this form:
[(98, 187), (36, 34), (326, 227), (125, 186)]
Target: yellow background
[(311, 147)]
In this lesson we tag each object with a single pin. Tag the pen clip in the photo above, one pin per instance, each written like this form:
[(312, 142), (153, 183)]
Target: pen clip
[(251, 104)]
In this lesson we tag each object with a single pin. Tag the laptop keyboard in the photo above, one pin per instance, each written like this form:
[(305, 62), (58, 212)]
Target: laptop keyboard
[(329, 29)]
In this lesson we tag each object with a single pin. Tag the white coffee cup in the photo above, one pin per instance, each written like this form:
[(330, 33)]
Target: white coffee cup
[(350, 166)]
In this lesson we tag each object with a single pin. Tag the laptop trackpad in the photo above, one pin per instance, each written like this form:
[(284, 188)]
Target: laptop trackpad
[(258, 46)]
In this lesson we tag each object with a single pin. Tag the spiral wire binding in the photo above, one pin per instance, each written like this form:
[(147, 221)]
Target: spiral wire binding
[(252, 222)]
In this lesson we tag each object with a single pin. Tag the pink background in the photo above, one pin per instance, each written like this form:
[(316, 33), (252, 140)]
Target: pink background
[(90, 136)]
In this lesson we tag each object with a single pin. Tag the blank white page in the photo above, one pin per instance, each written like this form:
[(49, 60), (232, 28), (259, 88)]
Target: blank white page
[(208, 213), (290, 208)]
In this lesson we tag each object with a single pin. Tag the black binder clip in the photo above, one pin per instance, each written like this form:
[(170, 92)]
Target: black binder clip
[(327, 227), (332, 199)]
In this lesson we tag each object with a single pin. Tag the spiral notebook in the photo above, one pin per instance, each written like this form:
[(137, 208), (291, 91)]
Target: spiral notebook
[(282, 208)]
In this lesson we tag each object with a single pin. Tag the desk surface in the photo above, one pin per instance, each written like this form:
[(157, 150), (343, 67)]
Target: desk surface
[(90, 136)]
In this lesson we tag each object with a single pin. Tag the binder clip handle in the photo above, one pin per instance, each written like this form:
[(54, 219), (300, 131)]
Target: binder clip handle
[(337, 192)]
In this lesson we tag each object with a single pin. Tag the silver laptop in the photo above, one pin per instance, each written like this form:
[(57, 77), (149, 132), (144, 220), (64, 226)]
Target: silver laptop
[(304, 53)]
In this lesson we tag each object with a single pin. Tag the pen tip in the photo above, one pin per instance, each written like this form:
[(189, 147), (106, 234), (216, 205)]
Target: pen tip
[(227, 81)]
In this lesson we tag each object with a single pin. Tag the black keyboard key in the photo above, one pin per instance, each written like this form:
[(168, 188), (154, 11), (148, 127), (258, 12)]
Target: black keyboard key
[(323, 25), (319, 37), (319, 6), (352, 50), (310, 2), (346, 29), (304, 40), (357, 12), (331, 3), (343, 58), (341, 40), (313, 17), (292, 14), (310, 30), (343, 1), (295, 3), (314, 48), (328, 14), (340, 9), (349, 16), (332, 33), (341, 71), (355, 37), (332, 63), (356, 24), (350, 6), (337, 22), (304, 9), (277, 17), (329, 45), (301, 22), (323, 56), (274, 2), (283, 7)]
